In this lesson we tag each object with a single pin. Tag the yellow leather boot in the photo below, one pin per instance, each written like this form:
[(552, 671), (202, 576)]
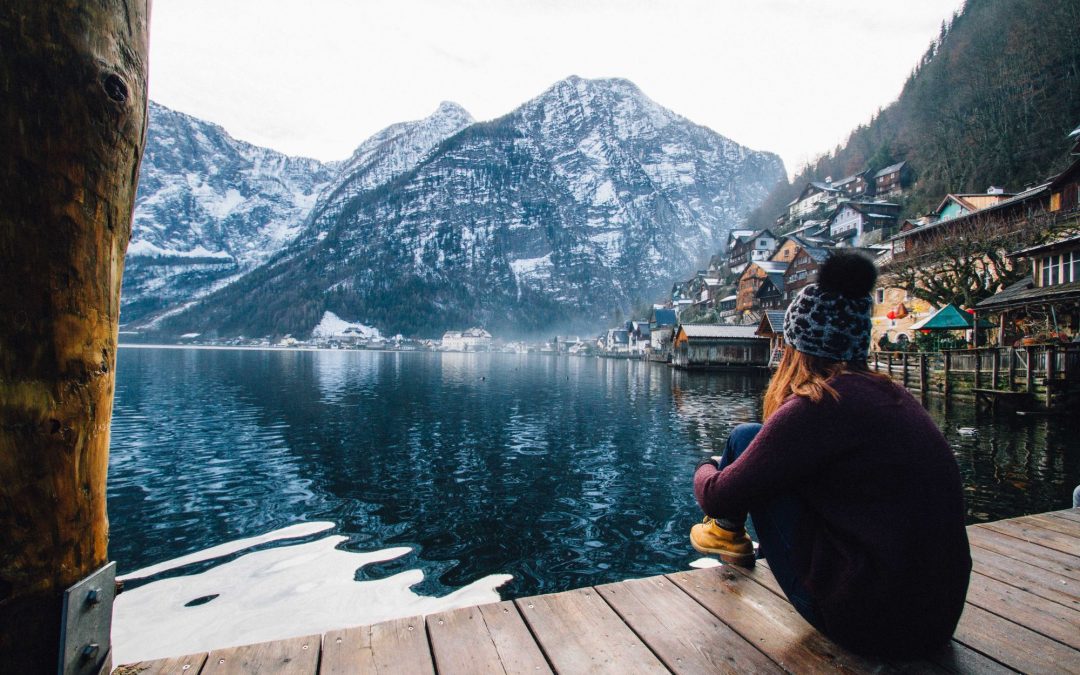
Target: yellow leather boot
[(733, 546)]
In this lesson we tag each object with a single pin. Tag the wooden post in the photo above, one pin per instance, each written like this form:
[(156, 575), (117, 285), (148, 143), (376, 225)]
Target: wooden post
[(923, 374), (73, 124), (995, 368), (946, 386), (1030, 371), (1012, 369), (978, 367), (1050, 353), (890, 364), (905, 369)]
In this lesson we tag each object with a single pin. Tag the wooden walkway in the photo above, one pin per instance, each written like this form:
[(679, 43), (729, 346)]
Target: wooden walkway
[(1023, 614)]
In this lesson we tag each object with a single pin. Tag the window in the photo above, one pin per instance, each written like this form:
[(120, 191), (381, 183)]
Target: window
[(1051, 270), (880, 297)]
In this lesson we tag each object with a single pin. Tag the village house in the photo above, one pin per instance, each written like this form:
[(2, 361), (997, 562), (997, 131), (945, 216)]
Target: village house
[(803, 270), (471, 340), (854, 186), (892, 180), (718, 346), (751, 280), (956, 205), (639, 337), (814, 197), (757, 247), (771, 293), (863, 223), (771, 326)]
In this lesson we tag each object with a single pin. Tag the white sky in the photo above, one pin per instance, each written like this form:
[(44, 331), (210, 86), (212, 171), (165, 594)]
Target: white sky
[(317, 77)]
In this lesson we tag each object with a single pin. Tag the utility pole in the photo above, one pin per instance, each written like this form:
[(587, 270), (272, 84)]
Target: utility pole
[(73, 121)]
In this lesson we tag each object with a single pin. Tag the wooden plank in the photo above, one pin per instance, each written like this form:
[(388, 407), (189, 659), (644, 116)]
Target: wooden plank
[(767, 622), (1047, 618), (1070, 528), (292, 656), (347, 651), (1015, 646), (580, 633), (1069, 514), (1027, 577), (1036, 535), (1047, 558), (953, 658), (176, 665), (516, 646), (461, 643), (686, 636), (401, 646)]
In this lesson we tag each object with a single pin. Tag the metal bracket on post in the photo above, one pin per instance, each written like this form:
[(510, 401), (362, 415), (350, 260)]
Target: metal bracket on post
[(86, 623)]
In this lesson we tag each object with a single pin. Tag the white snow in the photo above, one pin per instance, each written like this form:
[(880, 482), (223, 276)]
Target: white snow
[(271, 594), (145, 248), (527, 266), (189, 336), (332, 326)]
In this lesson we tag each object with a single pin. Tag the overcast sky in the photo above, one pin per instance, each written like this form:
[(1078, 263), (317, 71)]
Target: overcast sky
[(317, 77)]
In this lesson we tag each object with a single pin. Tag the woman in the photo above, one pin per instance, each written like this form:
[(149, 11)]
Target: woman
[(852, 490)]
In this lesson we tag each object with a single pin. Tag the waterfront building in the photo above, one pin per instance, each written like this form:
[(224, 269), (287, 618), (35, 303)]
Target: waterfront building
[(718, 346)]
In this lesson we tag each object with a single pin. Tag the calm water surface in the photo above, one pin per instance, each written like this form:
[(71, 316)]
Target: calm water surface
[(560, 471)]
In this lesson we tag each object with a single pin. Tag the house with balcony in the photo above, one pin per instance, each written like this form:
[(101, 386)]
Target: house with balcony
[(857, 223)]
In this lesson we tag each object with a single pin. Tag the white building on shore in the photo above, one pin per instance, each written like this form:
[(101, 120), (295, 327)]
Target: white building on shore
[(471, 340)]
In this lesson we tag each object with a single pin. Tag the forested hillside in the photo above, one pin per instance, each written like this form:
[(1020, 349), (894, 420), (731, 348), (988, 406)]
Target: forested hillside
[(989, 103)]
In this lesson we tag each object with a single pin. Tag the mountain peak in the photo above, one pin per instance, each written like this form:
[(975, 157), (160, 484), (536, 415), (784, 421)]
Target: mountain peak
[(451, 109)]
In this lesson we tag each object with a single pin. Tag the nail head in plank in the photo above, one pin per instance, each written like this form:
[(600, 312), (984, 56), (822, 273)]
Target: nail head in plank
[(516, 646), (176, 665), (686, 636), (347, 652), (579, 632), (401, 646), (292, 656), (461, 643)]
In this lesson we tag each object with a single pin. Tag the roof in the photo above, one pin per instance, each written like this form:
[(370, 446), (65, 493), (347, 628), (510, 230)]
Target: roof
[(1015, 199), (948, 317), (770, 266), (1047, 246), (665, 317), (889, 169), (710, 331), (772, 323), (1026, 292)]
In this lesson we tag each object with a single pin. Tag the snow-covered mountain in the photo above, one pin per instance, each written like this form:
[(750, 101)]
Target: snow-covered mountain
[(208, 209), (587, 199)]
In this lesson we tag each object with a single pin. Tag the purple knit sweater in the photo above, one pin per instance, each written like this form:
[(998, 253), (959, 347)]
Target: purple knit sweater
[(882, 547)]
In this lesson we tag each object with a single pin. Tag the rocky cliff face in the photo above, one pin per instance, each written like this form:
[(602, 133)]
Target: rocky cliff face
[(588, 199), (208, 209)]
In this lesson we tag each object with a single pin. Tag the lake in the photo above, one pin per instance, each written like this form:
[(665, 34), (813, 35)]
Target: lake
[(415, 480)]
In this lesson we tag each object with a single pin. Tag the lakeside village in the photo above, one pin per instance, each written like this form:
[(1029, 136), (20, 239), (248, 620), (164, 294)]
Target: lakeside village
[(1019, 345), (1022, 340)]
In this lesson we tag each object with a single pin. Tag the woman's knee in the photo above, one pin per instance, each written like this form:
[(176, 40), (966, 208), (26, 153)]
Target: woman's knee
[(743, 434)]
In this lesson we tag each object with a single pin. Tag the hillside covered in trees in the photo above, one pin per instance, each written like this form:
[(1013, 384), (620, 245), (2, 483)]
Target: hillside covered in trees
[(989, 103)]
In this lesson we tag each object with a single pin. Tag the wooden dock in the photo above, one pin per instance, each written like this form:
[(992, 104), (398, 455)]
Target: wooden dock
[(1022, 614)]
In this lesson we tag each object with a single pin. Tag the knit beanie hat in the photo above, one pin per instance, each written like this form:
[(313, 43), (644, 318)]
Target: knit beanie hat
[(831, 318)]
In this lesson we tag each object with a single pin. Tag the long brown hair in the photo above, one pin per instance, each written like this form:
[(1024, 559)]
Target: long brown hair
[(801, 374)]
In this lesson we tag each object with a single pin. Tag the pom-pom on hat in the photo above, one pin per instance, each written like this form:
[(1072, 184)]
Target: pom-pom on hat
[(831, 318)]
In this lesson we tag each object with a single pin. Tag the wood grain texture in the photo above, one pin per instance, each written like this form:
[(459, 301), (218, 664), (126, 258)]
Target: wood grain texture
[(347, 652), (177, 665), (682, 633), (462, 644), (292, 656), (1015, 646), (580, 633), (516, 646), (768, 622), (1023, 529), (401, 646), (1049, 559), (1027, 577), (73, 81), (1049, 618)]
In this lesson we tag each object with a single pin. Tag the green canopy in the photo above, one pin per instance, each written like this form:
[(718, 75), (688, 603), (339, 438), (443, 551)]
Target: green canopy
[(950, 317)]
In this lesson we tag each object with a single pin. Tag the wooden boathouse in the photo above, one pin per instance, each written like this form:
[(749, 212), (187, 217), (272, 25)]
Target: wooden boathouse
[(718, 346), (1022, 615)]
